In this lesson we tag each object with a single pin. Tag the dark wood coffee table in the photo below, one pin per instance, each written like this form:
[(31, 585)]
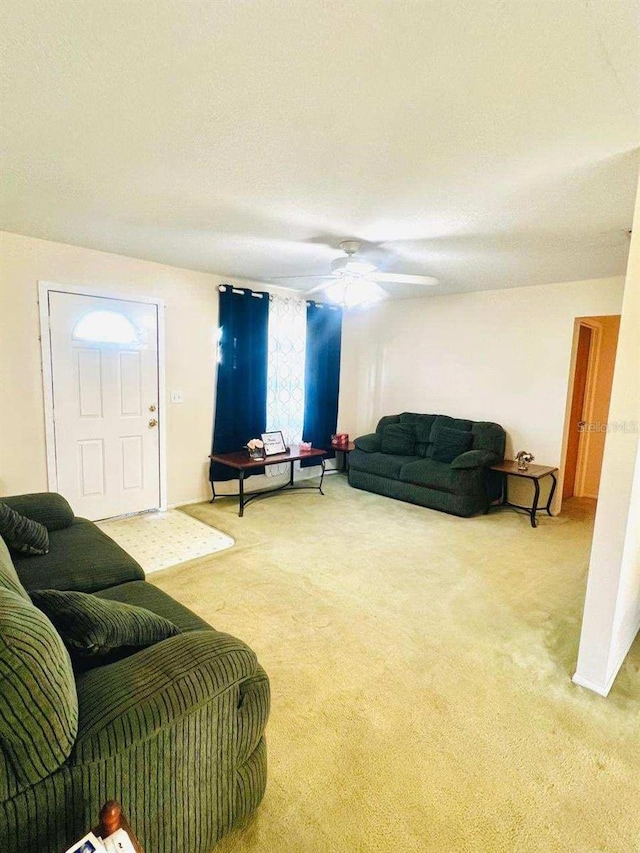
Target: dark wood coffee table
[(242, 463), (509, 468)]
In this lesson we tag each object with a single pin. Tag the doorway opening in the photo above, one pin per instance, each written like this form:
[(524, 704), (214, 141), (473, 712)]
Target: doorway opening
[(595, 342)]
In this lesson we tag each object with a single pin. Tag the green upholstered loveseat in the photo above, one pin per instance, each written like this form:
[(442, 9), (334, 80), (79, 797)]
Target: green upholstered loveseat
[(174, 731), (398, 461)]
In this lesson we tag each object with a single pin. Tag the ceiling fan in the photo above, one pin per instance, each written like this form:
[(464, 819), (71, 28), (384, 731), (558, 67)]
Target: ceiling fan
[(354, 280)]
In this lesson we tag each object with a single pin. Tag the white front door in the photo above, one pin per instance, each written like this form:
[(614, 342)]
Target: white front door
[(104, 366)]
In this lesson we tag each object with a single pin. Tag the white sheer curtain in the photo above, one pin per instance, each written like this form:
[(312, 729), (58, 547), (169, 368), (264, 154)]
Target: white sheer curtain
[(285, 372)]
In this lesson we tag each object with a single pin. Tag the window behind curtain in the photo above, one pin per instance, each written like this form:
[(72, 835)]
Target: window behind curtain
[(285, 373)]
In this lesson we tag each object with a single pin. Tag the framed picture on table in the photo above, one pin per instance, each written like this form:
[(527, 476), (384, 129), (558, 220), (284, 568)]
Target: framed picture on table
[(273, 443)]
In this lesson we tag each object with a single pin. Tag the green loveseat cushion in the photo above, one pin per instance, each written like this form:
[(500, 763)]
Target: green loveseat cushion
[(422, 424), (449, 444), (382, 464), (399, 439), (475, 459), (48, 508), (489, 436), (370, 443), (145, 594), (444, 478), (385, 421), (445, 421), (81, 557), (38, 701)]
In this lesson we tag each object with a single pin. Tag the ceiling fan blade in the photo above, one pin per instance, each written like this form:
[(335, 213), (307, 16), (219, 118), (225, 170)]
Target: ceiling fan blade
[(399, 278), (319, 287), (283, 277)]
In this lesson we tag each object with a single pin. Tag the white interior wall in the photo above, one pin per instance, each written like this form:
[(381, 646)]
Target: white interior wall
[(191, 314), (191, 321), (502, 355), (612, 604)]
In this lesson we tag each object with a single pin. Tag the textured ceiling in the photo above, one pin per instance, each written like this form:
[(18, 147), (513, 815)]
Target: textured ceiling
[(490, 143)]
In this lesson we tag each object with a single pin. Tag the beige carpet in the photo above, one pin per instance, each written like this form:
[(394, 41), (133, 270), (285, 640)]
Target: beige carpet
[(420, 667)]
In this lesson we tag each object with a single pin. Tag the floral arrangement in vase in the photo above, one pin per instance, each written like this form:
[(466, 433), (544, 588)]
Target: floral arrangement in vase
[(524, 458), (256, 448)]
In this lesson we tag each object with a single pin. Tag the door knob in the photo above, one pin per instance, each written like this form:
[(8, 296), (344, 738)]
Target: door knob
[(153, 422)]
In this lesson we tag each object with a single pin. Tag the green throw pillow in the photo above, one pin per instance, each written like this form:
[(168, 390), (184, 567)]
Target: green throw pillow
[(399, 439), (95, 626), (450, 443), (23, 534)]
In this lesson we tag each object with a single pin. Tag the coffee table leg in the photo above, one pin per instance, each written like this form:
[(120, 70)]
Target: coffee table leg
[(552, 492), (241, 493), (534, 508)]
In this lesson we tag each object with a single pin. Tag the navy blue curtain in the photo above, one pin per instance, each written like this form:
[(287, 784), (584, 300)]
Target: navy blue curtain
[(322, 375), (241, 392)]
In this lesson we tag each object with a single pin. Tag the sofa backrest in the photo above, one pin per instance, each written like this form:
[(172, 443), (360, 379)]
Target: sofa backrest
[(486, 435), (48, 508)]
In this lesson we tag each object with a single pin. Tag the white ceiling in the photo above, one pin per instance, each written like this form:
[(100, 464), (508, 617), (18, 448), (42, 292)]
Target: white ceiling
[(490, 143)]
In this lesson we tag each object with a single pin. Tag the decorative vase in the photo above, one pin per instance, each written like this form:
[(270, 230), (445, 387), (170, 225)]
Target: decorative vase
[(256, 454), (523, 465)]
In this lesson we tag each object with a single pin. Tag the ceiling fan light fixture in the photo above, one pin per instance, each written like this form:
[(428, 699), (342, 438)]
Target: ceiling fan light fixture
[(355, 292), (350, 266)]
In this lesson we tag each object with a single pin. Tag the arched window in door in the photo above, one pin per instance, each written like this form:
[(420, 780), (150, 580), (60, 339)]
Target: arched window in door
[(106, 327)]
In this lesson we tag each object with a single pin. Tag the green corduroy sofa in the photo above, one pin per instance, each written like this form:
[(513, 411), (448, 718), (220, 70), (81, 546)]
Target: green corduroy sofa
[(397, 461), (175, 732)]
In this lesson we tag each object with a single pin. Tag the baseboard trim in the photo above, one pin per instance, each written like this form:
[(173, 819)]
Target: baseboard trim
[(188, 503), (591, 685), (604, 689)]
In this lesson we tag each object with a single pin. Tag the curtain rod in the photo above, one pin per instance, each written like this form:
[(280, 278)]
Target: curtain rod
[(270, 296), (242, 290)]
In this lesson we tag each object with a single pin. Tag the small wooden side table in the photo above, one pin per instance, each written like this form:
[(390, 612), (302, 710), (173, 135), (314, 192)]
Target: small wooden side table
[(535, 473), (345, 449)]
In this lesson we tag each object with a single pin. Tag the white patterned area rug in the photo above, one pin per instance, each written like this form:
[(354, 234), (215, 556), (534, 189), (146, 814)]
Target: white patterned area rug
[(158, 540)]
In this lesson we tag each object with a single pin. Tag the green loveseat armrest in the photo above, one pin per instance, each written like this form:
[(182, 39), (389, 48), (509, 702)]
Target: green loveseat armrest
[(48, 508), (125, 703), (370, 443), (475, 459)]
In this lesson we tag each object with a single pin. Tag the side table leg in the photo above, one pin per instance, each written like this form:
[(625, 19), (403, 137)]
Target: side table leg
[(552, 492), (290, 483), (534, 508), (321, 476), (213, 490), (241, 493)]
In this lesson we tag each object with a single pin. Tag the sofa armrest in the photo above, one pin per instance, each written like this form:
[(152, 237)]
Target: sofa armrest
[(48, 508), (127, 702), (370, 443), (475, 459)]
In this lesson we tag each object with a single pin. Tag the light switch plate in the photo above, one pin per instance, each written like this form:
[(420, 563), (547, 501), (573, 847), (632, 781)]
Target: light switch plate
[(176, 397)]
